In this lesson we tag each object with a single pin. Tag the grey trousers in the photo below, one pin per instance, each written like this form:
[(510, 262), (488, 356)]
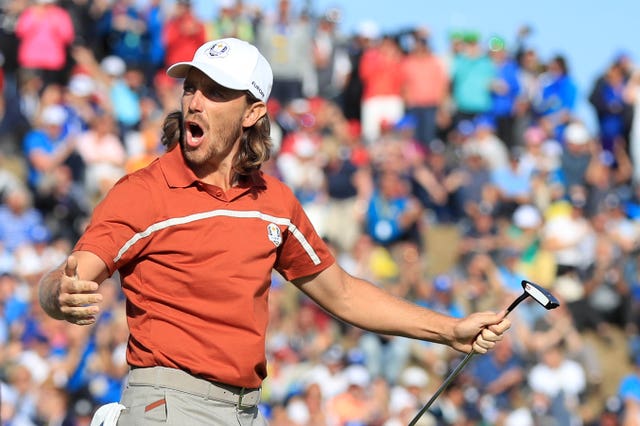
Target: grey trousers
[(162, 403)]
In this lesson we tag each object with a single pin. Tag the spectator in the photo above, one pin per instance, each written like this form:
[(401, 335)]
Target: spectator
[(80, 103), (558, 95), (103, 153), (629, 392), (576, 155), (285, 41), (355, 404), (505, 90), (65, 206), (231, 21), (558, 384), (348, 184), (18, 219), (329, 57), (486, 143), (125, 31), (20, 392), (606, 290), (529, 69), (444, 297), (407, 396), (155, 17), (632, 97), (392, 214), (523, 235), (382, 102), (607, 175), (351, 96), (47, 147), (470, 182), (568, 234), (424, 89), (497, 378), (513, 183), (37, 256), (472, 74), (480, 234), (182, 34), (45, 32), (607, 99)]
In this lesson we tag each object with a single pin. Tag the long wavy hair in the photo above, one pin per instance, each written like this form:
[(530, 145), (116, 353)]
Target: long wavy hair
[(255, 144)]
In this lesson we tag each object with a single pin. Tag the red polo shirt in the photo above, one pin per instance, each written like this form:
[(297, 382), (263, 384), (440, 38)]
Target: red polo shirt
[(196, 264)]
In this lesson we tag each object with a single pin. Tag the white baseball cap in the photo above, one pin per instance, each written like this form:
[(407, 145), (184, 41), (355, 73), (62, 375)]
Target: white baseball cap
[(232, 63), (81, 85), (53, 115), (113, 66), (576, 133)]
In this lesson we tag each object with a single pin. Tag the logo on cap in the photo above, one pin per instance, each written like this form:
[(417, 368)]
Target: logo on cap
[(254, 84), (219, 50)]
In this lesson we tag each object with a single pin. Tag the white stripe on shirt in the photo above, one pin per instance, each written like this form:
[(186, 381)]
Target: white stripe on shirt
[(251, 214)]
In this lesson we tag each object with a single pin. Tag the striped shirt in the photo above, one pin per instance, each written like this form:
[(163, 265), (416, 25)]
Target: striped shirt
[(196, 264)]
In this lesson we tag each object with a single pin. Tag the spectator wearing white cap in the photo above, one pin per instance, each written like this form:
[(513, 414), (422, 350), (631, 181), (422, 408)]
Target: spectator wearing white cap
[(80, 102), (576, 155), (356, 404), (47, 147), (406, 397)]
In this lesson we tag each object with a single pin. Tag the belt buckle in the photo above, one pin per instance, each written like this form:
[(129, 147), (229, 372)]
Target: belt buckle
[(245, 392), (242, 407)]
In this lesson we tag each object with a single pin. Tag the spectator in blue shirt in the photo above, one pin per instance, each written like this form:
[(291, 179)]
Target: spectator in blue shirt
[(47, 146), (18, 219), (505, 90), (498, 376), (557, 97)]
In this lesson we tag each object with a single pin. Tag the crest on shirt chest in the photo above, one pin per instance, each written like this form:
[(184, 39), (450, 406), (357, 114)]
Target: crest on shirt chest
[(274, 234)]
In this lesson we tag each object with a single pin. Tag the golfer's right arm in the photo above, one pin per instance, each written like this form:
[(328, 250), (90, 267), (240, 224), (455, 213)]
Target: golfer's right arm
[(70, 292)]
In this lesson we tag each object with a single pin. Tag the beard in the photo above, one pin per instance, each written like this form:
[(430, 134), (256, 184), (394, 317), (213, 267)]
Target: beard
[(207, 156)]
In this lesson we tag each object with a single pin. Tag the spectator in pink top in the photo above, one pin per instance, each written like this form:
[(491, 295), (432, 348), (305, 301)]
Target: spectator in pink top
[(44, 32), (425, 85)]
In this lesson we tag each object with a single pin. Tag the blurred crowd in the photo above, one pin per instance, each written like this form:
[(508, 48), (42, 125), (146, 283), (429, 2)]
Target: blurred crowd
[(446, 177)]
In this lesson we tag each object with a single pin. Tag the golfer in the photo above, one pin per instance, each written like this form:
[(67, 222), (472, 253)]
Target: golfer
[(195, 237)]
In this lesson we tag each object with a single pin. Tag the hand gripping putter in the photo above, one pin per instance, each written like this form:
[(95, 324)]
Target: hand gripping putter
[(539, 294)]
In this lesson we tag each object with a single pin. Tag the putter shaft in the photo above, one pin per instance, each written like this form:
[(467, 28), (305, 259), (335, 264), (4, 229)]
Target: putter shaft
[(442, 387), (541, 296)]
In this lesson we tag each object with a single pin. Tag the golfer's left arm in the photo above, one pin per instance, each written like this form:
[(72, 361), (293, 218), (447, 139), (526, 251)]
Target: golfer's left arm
[(364, 305)]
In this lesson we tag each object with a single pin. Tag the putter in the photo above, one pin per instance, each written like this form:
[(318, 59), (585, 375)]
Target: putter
[(539, 294)]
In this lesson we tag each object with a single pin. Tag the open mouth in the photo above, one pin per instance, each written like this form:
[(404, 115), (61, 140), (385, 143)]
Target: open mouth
[(195, 129), (194, 133)]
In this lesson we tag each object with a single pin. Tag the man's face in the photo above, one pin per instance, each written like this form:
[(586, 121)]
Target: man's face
[(213, 120)]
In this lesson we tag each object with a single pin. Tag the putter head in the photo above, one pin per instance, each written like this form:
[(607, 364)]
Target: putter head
[(540, 295)]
